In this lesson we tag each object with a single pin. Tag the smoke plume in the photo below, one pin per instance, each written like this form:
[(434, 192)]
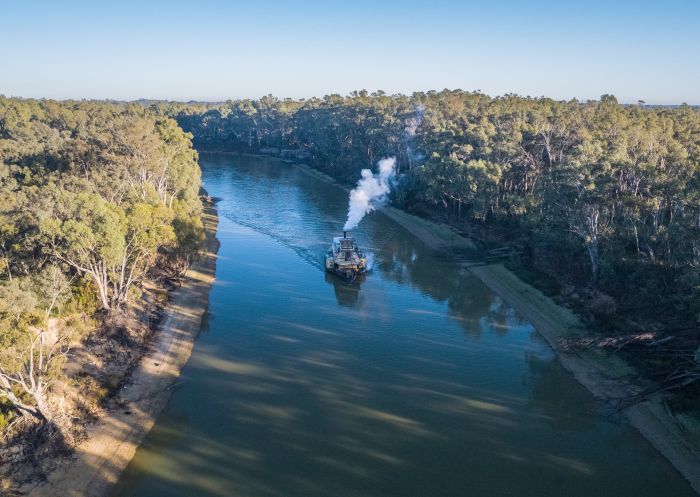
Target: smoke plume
[(412, 124), (371, 192), (414, 121)]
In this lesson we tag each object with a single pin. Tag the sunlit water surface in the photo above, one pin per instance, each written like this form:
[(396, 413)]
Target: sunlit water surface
[(418, 381)]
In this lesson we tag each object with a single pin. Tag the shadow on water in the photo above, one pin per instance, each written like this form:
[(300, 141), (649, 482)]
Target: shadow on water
[(346, 293), (415, 381)]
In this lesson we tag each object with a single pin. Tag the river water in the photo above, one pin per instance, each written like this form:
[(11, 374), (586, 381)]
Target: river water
[(416, 381)]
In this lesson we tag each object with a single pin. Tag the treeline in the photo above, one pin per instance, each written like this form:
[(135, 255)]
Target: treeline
[(597, 200), (92, 197)]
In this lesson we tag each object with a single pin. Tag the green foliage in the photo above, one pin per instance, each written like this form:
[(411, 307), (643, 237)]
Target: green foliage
[(91, 194), (86, 230), (99, 188), (594, 193), (16, 300), (51, 287), (83, 297), (7, 414)]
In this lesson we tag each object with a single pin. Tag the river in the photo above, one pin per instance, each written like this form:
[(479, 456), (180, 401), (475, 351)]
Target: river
[(415, 381)]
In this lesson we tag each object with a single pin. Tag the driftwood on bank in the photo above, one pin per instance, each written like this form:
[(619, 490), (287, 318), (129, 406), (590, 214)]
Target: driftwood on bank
[(679, 350), (617, 342)]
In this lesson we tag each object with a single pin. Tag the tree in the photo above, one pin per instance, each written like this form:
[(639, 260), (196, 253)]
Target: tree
[(114, 247), (32, 357), (92, 194), (89, 235), (591, 223)]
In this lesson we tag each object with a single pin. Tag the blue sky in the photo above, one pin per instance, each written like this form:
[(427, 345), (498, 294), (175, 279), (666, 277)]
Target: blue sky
[(214, 50)]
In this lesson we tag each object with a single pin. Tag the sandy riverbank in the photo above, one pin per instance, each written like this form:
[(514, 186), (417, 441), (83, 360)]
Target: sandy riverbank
[(112, 441), (605, 375)]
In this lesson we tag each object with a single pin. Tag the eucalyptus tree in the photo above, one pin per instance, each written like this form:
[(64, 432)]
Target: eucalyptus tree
[(594, 184), (93, 196), (115, 247)]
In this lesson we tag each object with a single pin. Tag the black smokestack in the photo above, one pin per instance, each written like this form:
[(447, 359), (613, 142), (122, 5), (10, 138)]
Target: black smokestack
[(345, 234)]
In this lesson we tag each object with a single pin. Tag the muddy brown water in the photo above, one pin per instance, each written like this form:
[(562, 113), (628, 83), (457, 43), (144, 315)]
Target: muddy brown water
[(415, 381)]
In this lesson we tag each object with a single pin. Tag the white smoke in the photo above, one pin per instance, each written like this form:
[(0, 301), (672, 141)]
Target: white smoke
[(412, 124), (371, 192), (415, 120)]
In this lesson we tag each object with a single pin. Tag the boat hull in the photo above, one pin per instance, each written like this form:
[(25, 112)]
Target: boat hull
[(346, 272), (344, 259)]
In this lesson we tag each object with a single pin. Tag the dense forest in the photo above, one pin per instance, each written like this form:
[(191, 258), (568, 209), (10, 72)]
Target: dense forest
[(595, 202), (96, 200)]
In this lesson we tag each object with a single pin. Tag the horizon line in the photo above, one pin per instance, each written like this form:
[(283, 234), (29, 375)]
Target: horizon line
[(373, 93)]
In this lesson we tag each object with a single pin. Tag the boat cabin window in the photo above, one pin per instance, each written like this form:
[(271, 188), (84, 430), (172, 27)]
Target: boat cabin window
[(346, 244)]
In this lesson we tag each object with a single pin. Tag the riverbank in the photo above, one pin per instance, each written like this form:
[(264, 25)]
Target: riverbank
[(98, 461), (605, 375)]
